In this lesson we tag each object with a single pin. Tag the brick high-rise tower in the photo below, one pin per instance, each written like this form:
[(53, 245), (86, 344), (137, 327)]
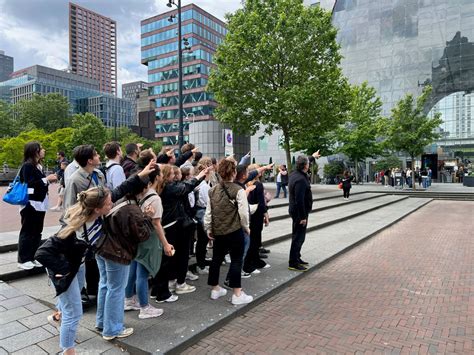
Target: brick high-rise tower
[(93, 47)]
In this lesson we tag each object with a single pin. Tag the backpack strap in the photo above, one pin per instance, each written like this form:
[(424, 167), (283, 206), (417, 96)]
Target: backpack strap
[(142, 201), (119, 206)]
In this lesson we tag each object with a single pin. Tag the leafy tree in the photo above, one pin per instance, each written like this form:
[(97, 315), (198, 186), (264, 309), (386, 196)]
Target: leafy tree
[(410, 129), (124, 136), (359, 135), (9, 127), (88, 129), (333, 169), (388, 163), (279, 67), (48, 112)]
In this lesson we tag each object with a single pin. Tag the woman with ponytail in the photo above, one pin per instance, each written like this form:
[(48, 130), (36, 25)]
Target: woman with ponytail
[(63, 256)]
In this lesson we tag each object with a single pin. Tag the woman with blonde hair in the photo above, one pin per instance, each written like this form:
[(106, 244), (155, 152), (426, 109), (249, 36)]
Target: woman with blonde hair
[(63, 256)]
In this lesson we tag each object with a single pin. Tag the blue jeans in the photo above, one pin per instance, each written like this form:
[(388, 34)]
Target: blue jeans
[(70, 306), (138, 277), (280, 186), (246, 249), (111, 296)]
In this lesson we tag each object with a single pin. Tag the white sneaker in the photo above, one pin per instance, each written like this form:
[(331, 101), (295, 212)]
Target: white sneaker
[(172, 285), (219, 293), (204, 271), (131, 304), (256, 272), (37, 263), (242, 299), (267, 266), (149, 312), (227, 259), (245, 275), (26, 266), (184, 288), (170, 299), (192, 277), (123, 334)]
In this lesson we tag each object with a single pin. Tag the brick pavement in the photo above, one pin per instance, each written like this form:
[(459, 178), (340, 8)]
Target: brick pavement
[(408, 290)]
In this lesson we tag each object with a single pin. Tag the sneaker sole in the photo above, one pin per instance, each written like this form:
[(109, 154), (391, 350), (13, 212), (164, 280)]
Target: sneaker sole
[(178, 292), (294, 269), (150, 316), (131, 308), (119, 336)]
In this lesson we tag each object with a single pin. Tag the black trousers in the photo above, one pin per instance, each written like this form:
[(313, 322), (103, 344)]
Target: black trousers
[(252, 259), (233, 243), (201, 246), (30, 233), (298, 236), (346, 191), (181, 240), (92, 277)]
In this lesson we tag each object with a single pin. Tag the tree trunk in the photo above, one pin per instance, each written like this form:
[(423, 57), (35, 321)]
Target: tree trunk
[(356, 171), (287, 149)]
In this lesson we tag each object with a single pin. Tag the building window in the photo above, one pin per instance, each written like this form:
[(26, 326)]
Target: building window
[(262, 143)]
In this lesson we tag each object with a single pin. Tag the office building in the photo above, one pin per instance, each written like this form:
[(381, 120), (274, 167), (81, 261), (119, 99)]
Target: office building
[(93, 47), (131, 91), (82, 93), (204, 33), (6, 66)]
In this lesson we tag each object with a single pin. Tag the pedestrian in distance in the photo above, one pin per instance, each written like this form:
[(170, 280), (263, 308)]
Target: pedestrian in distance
[(301, 204), (282, 181), (346, 184), (33, 213)]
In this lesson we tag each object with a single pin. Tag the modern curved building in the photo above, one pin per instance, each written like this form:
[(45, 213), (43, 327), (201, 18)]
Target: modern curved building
[(399, 46)]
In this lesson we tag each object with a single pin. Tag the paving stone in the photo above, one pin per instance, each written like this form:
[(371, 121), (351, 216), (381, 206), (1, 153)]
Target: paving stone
[(31, 350), (84, 334), (37, 307), (116, 350), (95, 345), (8, 292), (3, 352), (25, 339), (36, 320), (12, 328), (14, 314), (51, 329), (16, 302), (51, 345)]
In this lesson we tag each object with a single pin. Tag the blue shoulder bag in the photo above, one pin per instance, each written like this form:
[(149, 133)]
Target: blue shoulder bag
[(17, 193)]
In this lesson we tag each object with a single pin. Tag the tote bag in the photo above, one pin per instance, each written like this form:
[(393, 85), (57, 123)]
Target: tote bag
[(17, 193)]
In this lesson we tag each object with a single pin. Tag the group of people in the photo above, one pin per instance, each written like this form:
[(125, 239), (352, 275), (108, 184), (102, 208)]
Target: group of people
[(133, 223), (397, 177)]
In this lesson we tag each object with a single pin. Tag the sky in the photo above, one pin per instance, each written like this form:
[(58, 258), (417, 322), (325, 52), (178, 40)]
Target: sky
[(37, 31)]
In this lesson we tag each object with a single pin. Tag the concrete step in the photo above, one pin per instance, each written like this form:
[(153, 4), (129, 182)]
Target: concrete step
[(195, 315), (437, 195), (277, 231), (278, 213)]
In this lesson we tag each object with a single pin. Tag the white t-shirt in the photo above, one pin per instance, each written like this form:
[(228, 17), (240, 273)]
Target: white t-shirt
[(154, 201)]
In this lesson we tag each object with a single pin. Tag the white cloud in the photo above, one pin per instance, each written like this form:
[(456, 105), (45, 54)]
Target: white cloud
[(36, 32)]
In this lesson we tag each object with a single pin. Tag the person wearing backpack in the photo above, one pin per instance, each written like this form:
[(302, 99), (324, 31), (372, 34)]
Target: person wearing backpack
[(114, 173), (64, 254)]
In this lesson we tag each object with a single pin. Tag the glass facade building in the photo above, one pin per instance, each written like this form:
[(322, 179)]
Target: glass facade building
[(82, 93), (159, 52), (400, 46), (6, 66)]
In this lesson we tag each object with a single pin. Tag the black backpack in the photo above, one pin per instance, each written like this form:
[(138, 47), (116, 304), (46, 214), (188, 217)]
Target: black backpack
[(104, 169)]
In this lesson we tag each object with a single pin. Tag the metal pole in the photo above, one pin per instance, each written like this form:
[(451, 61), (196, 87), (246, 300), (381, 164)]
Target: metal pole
[(180, 81)]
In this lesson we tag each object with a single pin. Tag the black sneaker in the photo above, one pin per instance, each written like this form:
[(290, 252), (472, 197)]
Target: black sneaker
[(302, 262), (297, 268), (227, 284), (263, 256), (264, 251)]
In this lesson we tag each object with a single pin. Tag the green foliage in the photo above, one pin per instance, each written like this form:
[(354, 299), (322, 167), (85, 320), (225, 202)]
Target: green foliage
[(9, 127), (359, 135), (48, 112), (388, 163), (279, 67), (410, 129), (124, 136), (88, 129), (11, 149), (333, 169)]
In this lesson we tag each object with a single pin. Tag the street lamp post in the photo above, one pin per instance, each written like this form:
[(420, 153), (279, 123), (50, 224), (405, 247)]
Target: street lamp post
[(180, 74)]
